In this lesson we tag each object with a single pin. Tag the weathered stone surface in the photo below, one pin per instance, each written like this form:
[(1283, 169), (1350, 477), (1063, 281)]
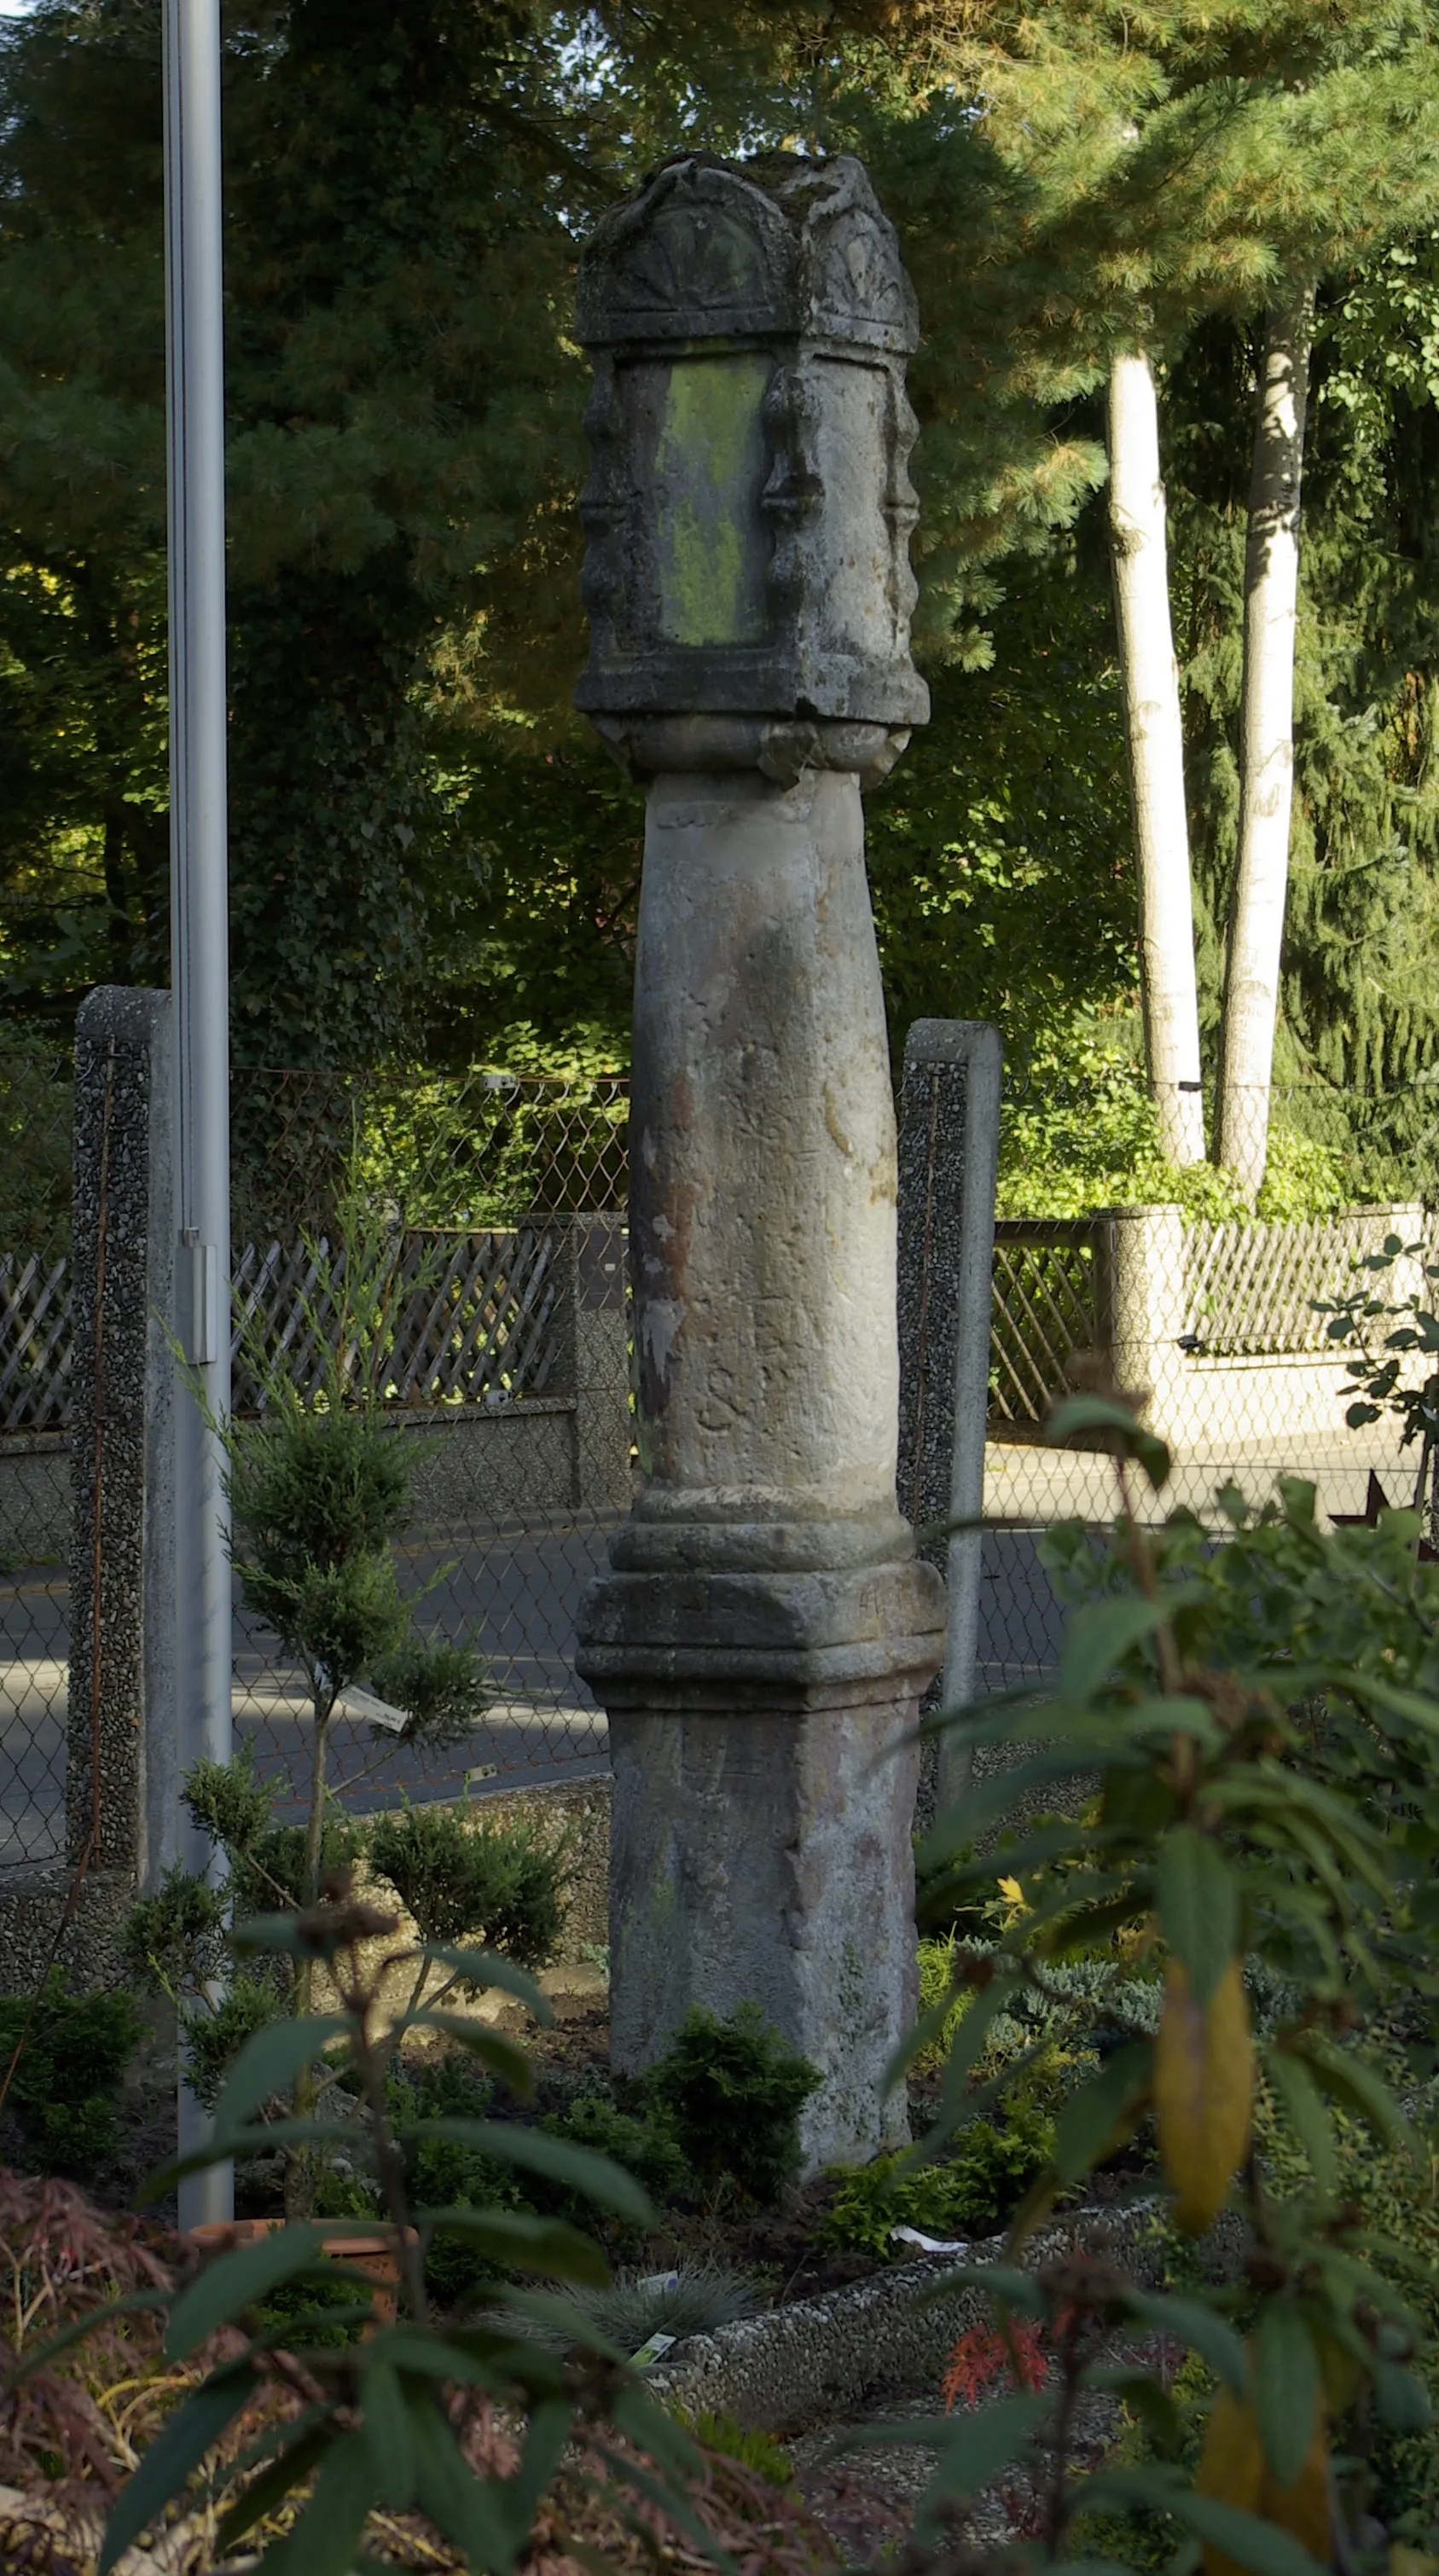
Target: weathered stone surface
[(749, 505), (762, 1158), (764, 1634), (826, 2355), (762, 1640), (764, 1858)]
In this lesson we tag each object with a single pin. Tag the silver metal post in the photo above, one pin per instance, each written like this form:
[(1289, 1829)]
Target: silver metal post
[(199, 926)]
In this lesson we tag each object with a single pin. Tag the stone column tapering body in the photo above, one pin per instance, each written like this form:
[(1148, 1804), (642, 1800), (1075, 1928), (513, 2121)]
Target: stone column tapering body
[(765, 1631)]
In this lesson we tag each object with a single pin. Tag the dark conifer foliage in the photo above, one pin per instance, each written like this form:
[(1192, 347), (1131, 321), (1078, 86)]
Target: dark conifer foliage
[(429, 855)]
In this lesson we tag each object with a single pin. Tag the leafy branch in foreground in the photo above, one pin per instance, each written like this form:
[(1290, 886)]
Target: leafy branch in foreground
[(466, 1877), (1395, 1371), (400, 2419), (1247, 1774)]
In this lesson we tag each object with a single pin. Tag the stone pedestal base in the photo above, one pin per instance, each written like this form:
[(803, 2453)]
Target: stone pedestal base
[(760, 1842)]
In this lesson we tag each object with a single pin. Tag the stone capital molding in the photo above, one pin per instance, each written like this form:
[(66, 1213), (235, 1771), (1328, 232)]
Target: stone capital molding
[(749, 509)]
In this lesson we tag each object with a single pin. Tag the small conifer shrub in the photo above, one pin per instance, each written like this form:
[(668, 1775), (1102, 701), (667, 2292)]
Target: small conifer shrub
[(732, 2092)]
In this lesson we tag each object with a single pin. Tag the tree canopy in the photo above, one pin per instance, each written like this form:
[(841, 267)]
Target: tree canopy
[(428, 852)]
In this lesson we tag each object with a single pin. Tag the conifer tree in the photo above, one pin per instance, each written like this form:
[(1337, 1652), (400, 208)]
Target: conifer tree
[(1151, 166), (402, 177)]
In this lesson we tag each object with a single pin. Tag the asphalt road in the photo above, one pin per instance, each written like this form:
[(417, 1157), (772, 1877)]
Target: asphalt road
[(514, 1590)]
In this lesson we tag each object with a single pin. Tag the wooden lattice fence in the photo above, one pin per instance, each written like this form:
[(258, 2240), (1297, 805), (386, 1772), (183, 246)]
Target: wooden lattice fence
[(469, 1319), (483, 1316), (1251, 1290), (1043, 1311), (35, 1341), (466, 1317)]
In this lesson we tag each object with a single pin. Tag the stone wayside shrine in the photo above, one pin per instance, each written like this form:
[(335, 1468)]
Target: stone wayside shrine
[(765, 1631)]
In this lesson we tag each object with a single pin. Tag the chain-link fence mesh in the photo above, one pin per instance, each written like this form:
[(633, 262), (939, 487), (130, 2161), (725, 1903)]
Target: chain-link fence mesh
[(505, 1373), (1217, 1321), (36, 1103), (506, 1376)]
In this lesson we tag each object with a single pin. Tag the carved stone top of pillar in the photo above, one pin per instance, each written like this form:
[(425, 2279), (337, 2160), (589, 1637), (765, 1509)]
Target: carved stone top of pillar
[(749, 506)]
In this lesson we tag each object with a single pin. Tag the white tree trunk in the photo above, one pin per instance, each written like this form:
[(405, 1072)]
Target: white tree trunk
[(1155, 739), (1271, 585)]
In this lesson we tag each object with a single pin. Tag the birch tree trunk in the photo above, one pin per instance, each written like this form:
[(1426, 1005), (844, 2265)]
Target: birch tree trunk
[(1266, 786), (1155, 740)]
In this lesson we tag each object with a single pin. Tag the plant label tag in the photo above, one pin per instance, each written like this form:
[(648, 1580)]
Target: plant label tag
[(652, 2350), (369, 1711), (929, 2244)]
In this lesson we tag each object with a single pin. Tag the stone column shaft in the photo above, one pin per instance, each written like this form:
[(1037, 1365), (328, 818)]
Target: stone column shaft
[(764, 1637)]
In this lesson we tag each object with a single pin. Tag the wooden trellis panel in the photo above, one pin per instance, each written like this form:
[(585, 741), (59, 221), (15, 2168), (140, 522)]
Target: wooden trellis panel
[(1251, 1289), (1042, 1313), (465, 1316), (34, 1342)]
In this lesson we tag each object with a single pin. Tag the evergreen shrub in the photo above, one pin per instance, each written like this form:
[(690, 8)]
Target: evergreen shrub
[(974, 2193), (64, 2093), (644, 2143), (461, 1879), (446, 2173), (732, 2093)]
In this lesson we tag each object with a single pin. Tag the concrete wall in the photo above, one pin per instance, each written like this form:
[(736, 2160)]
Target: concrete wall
[(543, 1454), (471, 1463)]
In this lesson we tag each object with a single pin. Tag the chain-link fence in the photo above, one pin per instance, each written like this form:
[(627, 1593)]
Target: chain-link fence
[(505, 1374), (36, 1099), (506, 1377), (1219, 1326)]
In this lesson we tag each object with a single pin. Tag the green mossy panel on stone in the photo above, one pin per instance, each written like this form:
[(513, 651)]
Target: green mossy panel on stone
[(710, 466)]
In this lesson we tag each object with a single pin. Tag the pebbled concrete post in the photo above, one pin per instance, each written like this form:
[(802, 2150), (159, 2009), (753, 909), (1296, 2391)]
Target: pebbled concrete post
[(764, 1634), (948, 1157), (122, 1790)]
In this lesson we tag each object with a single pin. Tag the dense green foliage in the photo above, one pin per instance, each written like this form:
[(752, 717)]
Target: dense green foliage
[(466, 1877), (394, 246), (1227, 1911), (974, 2192), (444, 2172), (642, 2140), (431, 859), (63, 2092), (732, 2092), (461, 1876), (386, 2418)]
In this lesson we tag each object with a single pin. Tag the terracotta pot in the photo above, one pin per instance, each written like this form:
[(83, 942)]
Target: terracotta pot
[(359, 2242)]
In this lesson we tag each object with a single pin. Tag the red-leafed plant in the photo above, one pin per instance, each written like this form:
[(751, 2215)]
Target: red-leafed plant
[(87, 2414), (984, 2355)]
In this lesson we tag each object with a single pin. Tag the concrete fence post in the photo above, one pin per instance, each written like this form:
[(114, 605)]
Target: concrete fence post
[(122, 1790), (1140, 1289)]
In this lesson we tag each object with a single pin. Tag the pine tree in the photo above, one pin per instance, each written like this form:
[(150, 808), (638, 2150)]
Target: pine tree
[(1153, 166), (403, 410)]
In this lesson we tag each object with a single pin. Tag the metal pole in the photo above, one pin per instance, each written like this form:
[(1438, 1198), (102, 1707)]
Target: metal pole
[(199, 926)]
